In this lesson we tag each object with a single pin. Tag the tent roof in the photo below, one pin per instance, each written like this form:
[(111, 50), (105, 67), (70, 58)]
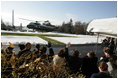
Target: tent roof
[(103, 26)]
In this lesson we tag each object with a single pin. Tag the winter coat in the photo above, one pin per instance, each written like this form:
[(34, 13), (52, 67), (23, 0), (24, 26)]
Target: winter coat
[(112, 70), (89, 66), (59, 61), (101, 75), (75, 64)]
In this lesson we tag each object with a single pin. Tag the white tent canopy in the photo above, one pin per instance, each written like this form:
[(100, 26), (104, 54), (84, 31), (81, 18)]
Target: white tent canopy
[(103, 26)]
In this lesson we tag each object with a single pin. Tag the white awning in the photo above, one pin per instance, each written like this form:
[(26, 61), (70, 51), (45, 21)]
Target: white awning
[(103, 26)]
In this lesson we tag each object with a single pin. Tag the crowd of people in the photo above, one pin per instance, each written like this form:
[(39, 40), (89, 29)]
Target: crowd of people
[(90, 65)]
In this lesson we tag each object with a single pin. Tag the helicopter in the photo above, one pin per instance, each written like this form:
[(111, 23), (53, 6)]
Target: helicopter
[(36, 25)]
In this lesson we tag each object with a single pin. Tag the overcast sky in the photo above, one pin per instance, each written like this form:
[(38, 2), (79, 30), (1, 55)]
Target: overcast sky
[(57, 11)]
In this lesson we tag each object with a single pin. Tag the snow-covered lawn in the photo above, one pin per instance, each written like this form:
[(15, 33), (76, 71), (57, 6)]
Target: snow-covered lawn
[(82, 39), (78, 39), (22, 39)]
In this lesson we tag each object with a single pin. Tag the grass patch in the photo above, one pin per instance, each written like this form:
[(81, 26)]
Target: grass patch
[(51, 40), (17, 34), (55, 35), (43, 36), (24, 34)]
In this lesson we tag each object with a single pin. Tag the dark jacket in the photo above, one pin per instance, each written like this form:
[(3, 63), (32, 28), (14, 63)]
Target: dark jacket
[(51, 52), (89, 66), (75, 64), (101, 75)]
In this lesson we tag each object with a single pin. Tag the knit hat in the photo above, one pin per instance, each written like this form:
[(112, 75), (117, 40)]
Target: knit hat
[(11, 45)]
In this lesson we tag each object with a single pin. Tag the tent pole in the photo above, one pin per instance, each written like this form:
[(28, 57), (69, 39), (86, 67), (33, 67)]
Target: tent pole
[(97, 43)]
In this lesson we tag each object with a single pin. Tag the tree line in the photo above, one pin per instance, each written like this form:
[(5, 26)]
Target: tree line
[(73, 28)]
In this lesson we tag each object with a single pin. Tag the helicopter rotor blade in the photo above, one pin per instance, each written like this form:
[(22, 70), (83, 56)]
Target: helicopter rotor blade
[(26, 19), (29, 20)]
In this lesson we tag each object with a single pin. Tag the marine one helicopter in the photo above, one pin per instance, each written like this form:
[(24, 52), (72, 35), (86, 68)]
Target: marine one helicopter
[(36, 25)]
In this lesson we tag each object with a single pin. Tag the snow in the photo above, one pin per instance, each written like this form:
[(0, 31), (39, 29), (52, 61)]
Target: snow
[(77, 39), (21, 39), (51, 33), (3, 31), (82, 39)]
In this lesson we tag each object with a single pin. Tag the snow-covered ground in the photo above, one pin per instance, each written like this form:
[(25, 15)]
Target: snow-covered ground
[(82, 39), (22, 39), (3, 31), (57, 33), (78, 39)]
